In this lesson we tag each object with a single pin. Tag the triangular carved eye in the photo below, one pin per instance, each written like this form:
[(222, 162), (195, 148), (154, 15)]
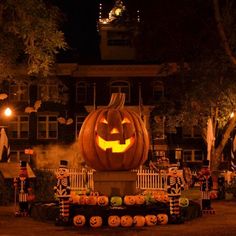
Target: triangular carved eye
[(104, 121), (125, 121)]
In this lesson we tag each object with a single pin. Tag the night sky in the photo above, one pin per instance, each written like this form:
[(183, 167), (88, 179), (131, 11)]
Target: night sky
[(171, 29)]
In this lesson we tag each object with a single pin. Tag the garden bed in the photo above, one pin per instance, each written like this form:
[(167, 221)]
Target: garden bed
[(50, 211)]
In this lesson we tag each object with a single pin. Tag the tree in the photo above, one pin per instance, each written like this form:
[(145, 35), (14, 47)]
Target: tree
[(29, 35)]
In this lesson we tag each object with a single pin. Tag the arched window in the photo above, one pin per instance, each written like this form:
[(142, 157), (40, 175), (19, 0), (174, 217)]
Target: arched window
[(121, 86)]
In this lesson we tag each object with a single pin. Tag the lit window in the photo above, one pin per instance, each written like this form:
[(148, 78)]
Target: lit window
[(79, 122), (47, 127), (121, 87), (19, 127), (19, 92), (48, 92), (81, 92)]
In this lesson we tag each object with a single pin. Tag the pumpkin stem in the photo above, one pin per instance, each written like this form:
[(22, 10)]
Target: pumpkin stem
[(117, 101)]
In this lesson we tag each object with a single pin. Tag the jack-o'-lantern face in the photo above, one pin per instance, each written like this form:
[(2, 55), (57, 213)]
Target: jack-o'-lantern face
[(114, 221), (102, 200), (115, 133), (79, 220), (183, 202), (139, 221), (139, 199), (173, 171), (95, 221), (114, 138), (162, 219), (151, 220), (116, 201), (126, 221), (129, 200)]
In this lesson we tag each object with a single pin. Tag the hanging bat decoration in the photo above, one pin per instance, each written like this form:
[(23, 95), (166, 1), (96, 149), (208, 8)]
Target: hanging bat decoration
[(64, 121), (35, 108), (3, 96)]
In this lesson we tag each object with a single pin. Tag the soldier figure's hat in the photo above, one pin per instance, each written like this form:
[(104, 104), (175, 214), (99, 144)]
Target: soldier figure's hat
[(63, 163)]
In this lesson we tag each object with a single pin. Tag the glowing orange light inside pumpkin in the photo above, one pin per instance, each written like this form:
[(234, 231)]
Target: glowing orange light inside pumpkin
[(115, 145), (125, 121)]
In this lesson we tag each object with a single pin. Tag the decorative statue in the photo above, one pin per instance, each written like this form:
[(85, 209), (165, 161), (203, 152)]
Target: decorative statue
[(174, 187), (21, 184), (62, 192), (206, 185)]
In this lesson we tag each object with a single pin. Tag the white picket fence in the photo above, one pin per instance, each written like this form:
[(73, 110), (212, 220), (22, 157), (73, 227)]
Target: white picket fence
[(81, 179)]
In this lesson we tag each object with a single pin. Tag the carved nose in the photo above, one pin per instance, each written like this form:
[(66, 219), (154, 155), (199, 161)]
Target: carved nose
[(114, 131)]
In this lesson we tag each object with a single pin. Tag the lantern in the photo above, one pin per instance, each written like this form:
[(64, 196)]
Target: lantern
[(183, 202), (162, 219), (102, 200), (79, 220), (129, 200), (95, 221), (126, 221), (114, 221), (114, 138), (116, 201), (139, 199), (139, 221), (151, 220)]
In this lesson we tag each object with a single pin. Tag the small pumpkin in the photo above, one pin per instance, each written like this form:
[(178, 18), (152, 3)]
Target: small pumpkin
[(139, 221), (74, 198), (114, 138), (116, 201), (183, 202), (102, 200), (126, 221), (139, 199), (162, 219), (151, 220), (114, 221), (91, 200), (79, 220), (95, 221), (129, 200), (83, 199)]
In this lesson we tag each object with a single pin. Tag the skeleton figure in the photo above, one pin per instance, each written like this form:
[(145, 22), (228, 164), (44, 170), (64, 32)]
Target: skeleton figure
[(21, 184), (62, 192), (206, 185), (174, 187)]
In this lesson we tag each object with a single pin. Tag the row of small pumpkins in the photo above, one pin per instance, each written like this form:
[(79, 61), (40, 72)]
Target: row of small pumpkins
[(95, 199), (124, 221)]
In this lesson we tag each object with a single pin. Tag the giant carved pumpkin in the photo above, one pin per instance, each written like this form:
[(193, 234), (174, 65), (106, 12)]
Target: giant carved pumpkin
[(114, 138)]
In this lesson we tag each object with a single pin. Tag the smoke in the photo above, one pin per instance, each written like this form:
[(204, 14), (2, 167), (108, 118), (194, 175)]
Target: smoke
[(48, 157)]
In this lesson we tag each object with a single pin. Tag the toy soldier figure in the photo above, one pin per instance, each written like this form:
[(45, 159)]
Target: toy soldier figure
[(21, 184), (206, 185), (174, 187), (62, 191)]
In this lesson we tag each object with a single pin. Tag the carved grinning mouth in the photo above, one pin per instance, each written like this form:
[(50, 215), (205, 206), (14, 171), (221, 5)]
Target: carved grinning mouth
[(115, 145)]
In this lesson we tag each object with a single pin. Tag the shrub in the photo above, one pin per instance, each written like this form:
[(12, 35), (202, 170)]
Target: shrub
[(43, 187)]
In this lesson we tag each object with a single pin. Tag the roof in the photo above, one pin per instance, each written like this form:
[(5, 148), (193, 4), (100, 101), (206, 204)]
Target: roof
[(11, 170)]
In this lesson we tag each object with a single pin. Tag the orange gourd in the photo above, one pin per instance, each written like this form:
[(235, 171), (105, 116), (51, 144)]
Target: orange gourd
[(114, 221), (113, 137)]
